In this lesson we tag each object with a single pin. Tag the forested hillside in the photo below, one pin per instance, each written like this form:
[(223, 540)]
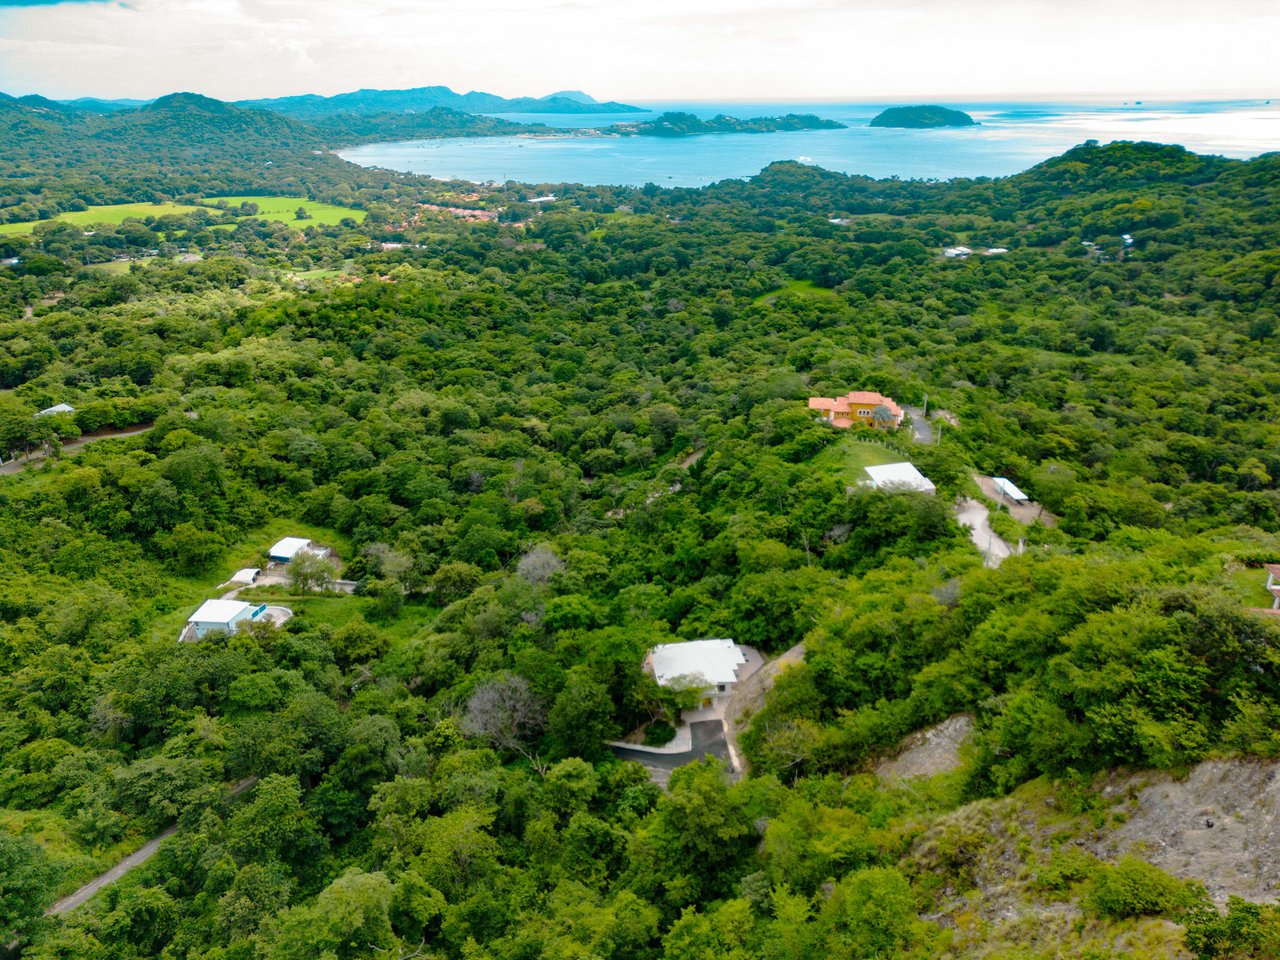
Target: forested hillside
[(542, 446)]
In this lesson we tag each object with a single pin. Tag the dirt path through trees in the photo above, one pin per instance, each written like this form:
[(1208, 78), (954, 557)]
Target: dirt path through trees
[(131, 862), (71, 446)]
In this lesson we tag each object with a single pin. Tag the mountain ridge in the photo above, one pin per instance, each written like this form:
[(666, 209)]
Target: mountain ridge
[(371, 101)]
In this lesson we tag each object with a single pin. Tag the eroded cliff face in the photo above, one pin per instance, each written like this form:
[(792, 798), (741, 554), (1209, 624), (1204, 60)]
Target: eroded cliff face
[(1016, 871), (1219, 825)]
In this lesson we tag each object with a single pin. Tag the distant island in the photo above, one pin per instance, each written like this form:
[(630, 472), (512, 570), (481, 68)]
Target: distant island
[(923, 118), (677, 124)]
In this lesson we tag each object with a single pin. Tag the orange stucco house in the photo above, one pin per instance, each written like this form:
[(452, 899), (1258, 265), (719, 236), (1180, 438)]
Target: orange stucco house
[(857, 407)]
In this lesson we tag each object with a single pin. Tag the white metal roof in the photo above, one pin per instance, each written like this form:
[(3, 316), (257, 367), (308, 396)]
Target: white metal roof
[(247, 575), (218, 611), (711, 661), (899, 476), (1009, 490), (288, 547), (56, 408)]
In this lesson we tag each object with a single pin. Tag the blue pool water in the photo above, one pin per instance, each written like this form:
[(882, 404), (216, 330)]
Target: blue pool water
[(1011, 138)]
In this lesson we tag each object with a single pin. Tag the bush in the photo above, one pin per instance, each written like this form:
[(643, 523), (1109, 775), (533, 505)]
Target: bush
[(1064, 869), (659, 733), (1134, 888)]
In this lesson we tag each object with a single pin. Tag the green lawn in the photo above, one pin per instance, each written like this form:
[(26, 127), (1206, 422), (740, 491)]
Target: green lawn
[(844, 460), (799, 288), (285, 209), (1250, 585), (117, 267), (115, 213)]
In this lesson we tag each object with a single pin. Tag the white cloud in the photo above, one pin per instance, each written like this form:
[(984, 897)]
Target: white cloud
[(659, 49)]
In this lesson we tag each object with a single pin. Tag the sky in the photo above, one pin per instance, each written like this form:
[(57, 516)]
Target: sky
[(645, 49)]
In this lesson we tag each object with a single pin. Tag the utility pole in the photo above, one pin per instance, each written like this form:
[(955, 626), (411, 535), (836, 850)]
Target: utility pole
[(924, 411)]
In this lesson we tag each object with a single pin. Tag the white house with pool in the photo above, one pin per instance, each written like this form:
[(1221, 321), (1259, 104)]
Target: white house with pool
[(225, 617)]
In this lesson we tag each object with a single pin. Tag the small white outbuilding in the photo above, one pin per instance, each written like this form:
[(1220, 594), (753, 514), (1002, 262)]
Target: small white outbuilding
[(56, 409), (898, 478)]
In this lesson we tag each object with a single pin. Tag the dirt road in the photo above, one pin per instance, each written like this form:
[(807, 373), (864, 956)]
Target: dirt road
[(975, 516), (71, 446), (131, 862)]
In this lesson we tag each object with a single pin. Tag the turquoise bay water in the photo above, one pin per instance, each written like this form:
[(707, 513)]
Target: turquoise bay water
[(1011, 138)]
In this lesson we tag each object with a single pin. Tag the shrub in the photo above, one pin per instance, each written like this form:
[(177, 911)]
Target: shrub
[(1064, 869), (659, 733), (1134, 888)]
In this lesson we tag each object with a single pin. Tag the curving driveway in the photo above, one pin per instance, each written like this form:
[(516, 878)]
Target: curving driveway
[(708, 740)]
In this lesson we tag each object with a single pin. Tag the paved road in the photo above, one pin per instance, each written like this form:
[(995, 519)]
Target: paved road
[(708, 738), (71, 446), (921, 428), (134, 860)]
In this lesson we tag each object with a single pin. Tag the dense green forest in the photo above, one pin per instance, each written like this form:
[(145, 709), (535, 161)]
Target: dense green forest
[(541, 447)]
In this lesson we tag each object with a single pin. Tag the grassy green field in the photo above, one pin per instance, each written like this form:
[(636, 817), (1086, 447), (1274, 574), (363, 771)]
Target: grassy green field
[(799, 288), (117, 267), (284, 209), (323, 273), (1250, 585), (115, 213), (844, 460)]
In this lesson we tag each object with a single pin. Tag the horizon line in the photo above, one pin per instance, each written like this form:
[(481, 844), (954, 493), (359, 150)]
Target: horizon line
[(1039, 96)]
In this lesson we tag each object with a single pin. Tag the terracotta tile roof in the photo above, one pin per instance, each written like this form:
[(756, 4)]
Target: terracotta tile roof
[(856, 398)]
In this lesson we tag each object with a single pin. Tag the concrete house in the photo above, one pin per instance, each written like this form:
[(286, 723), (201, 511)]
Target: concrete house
[(221, 616), (709, 665), (859, 406)]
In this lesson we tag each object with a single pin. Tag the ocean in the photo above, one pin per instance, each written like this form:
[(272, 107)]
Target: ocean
[(1011, 137)]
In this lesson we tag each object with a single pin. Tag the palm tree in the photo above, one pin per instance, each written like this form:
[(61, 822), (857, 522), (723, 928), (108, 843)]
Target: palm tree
[(882, 416)]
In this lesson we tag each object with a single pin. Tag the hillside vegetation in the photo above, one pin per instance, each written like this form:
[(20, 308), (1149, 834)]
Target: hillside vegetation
[(494, 426)]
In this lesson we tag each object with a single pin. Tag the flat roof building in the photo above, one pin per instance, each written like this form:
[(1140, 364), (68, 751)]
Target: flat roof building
[(701, 663), (898, 478), (285, 550), (223, 616)]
